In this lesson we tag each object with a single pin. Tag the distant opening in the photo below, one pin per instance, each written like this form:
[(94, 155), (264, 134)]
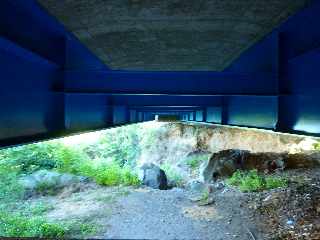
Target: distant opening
[(168, 118)]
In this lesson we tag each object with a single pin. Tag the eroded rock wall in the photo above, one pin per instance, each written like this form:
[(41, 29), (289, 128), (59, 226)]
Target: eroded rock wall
[(175, 141)]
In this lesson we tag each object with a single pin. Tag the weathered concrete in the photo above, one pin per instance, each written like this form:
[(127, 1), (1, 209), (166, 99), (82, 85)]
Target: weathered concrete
[(170, 34)]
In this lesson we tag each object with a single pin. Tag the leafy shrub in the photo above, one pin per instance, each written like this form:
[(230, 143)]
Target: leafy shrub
[(109, 175), (118, 147), (120, 144), (46, 155), (252, 181), (64, 159), (129, 177), (112, 174), (70, 159), (31, 157)]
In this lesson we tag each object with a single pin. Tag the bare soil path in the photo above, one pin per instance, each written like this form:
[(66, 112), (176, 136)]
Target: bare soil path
[(153, 214)]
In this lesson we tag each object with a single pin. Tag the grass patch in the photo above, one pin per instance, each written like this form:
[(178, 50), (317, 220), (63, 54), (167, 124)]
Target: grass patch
[(10, 189), (251, 181), (14, 225), (110, 174), (17, 225)]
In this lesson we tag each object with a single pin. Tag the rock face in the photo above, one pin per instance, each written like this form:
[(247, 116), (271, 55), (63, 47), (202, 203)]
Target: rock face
[(307, 159), (175, 143), (48, 182), (225, 163), (153, 176)]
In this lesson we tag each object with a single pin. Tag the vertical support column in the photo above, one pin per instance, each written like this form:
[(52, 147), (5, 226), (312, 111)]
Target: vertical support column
[(199, 115), (214, 114), (120, 115), (133, 116), (191, 116), (204, 114), (225, 111), (286, 109)]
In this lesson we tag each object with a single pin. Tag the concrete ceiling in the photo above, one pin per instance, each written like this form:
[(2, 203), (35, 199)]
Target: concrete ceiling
[(170, 35)]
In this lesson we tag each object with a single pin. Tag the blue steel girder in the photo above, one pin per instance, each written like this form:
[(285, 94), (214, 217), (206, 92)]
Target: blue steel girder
[(198, 83), (52, 85)]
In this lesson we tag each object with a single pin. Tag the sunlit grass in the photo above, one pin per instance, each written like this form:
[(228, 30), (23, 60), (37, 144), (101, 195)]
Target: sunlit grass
[(251, 181)]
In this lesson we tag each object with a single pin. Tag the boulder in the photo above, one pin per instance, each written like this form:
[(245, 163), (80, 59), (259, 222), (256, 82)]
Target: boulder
[(153, 176), (306, 159), (225, 163), (45, 181)]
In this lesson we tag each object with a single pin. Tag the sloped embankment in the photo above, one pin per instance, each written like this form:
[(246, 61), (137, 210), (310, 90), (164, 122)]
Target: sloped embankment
[(180, 148)]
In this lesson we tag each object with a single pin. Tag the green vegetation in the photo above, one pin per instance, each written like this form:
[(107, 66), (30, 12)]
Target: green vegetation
[(17, 225), (316, 146), (252, 181), (19, 218), (205, 195), (12, 225), (10, 188), (111, 174), (194, 161), (110, 160)]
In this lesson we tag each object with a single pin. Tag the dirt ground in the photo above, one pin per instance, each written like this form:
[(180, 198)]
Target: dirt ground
[(144, 213), (154, 214)]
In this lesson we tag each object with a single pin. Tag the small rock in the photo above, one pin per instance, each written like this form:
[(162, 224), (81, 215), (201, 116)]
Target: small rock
[(219, 185)]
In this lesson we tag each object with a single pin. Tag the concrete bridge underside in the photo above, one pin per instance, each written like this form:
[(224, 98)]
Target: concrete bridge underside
[(70, 66)]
